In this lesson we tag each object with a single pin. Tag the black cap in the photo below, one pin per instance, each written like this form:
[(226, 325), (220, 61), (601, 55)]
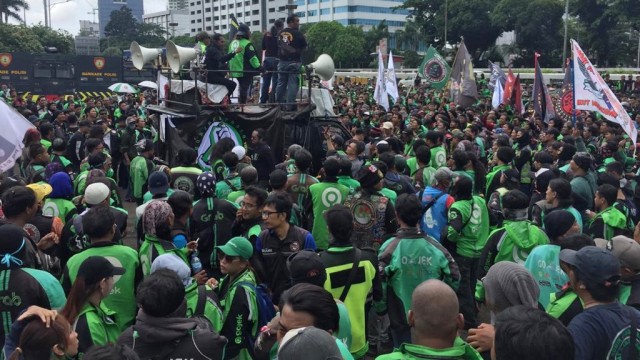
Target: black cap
[(158, 183), (95, 268), (306, 266), (594, 265)]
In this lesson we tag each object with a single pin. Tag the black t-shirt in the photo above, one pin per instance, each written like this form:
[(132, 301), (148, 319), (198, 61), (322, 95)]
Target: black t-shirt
[(296, 39)]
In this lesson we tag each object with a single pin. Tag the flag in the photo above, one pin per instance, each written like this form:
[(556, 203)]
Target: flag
[(163, 87), (14, 127), (380, 94), (564, 104), (233, 27), (517, 96), (592, 93), (498, 91), (463, 90), (496, 75), (542, 104), (391, 83), (434, 69), (508, 88)]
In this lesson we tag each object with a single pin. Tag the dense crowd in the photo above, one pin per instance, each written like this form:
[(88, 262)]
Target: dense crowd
[(432, 232)]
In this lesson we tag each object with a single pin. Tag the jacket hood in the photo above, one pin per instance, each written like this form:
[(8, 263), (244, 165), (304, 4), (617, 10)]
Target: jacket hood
[(524, 234), (163, 329)]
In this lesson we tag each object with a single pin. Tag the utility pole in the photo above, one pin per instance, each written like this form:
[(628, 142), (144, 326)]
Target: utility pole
[(566, 23), (46, 13), (93, 12)]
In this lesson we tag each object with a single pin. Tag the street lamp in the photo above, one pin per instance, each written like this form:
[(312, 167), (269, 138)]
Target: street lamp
[(47, 11), (566, 23)]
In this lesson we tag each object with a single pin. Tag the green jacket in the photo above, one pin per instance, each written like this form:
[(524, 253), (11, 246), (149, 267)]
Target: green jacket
[(61, 208), (122, 298), (139, 172), (474, 218), (490, 176), (405, 261), (324, 195), (350, 183), (438, 157), (96, 326), (202, 301), (152, 247), (240, 313), (459, 351), (613, 219), (247, 56), (223, 188)]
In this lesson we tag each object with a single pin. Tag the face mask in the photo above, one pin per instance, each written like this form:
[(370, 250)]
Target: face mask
[(110, 173), (131, 126)]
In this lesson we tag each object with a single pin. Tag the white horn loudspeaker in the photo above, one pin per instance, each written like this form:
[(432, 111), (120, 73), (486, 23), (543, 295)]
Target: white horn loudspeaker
[(323, 67), (141, 55), (179, 55)]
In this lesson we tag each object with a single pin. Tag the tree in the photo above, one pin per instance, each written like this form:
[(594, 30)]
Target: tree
[(410, 36), (112, 51), (12, 9), (348, 49), (183, 40), (536, 24), (151, 35), (321, 37), (256, 40), (60, 39), (411, 59), (471, 20), (122, 24), (375, 34)]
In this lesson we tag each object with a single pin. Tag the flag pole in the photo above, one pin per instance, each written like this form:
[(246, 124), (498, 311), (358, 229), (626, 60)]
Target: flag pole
[(448, 87), (573, 86)]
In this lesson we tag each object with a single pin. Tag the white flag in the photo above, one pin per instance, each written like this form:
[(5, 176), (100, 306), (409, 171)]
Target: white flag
[(498, 93), (592, 93), (380, 94), (14, 127), (392, 84)]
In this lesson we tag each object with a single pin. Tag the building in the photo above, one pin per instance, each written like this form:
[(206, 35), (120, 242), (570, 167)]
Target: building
[(89, 28), (353, 12), (178, 5), (87, 45), (105, 7), (174, 22), (213, 15)]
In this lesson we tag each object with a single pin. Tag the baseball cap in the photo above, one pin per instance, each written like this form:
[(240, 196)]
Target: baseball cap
[(144, 145), (237, 246), (387, 125), (305, 266), (158, 183), (593, 264), (96, 268), (337, 139), (625, 249), (174, 263), (444, 173), (96, 193), (41, 190), (33, 119), (240, 151), (308, 343), (130, 120)]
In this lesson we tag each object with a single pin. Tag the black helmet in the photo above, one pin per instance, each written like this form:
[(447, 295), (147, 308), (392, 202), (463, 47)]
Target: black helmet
[(244, 31)]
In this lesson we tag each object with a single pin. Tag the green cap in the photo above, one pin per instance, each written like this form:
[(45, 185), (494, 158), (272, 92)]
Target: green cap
[(237, 246)]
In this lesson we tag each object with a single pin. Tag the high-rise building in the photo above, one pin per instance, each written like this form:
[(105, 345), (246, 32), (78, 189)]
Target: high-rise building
[(213, 15), (105, 7), (178, 5), (89, 28), (365, 13)]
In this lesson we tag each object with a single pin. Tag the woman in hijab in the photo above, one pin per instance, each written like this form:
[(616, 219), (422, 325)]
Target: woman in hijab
[(59, 202)]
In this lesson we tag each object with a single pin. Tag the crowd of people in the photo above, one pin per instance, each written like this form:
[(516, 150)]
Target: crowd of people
[(433, 232)]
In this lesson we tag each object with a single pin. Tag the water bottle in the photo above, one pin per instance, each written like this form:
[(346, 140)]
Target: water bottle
[(196, 265)]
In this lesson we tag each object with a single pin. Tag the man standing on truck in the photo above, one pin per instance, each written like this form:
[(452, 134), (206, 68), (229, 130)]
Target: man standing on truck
[(245, 65), (291, 43)]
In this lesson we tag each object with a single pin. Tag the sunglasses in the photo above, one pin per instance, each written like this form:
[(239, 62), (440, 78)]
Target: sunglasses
[(227, 258)]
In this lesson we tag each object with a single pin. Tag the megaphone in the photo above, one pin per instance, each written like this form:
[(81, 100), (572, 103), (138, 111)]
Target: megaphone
[(141, 55), (179, 55), (323, 67)]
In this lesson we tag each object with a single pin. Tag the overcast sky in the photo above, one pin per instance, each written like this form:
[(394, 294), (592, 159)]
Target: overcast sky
[(67, 15)]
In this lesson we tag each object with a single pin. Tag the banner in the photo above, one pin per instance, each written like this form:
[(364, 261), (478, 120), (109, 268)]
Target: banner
[(496, 75), (517, 96), (163, 88), (592, 93), (233, 27), (14, 126), (542, 104), (463, 90), (498, 91), (508, 88), (380, 94), (392, 84), (434, 69)]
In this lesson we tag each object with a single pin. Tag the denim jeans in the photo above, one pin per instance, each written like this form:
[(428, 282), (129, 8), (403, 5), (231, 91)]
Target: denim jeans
[(269, 80), (468, 276), (288, 83)]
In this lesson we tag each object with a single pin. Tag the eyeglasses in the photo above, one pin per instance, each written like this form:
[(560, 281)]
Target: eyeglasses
[(227, 258), (266, 214), (247, 205)]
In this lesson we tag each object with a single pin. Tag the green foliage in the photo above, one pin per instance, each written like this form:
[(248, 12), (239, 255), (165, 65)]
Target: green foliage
[(121, 24), (374, 35), (183, 40), (20, 38), (12, 9), (123, 28), (152, 35), (256, 40), (411, 59), (346, 45), (112, 51)]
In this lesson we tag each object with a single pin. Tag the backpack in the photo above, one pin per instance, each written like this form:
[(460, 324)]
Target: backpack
[(266, 310)]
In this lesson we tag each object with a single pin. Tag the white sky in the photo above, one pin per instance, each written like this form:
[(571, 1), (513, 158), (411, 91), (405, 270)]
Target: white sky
[(67, 15)]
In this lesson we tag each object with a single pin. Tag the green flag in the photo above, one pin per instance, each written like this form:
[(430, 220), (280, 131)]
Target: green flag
[(434, 69)]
